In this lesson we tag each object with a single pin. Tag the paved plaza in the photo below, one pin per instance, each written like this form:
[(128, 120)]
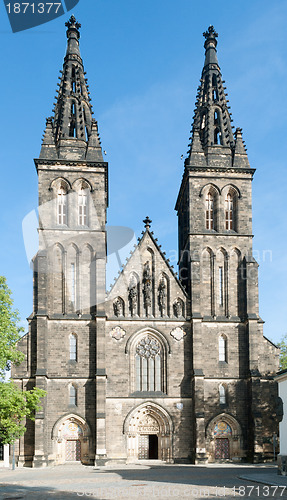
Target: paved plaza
[(148, 481)]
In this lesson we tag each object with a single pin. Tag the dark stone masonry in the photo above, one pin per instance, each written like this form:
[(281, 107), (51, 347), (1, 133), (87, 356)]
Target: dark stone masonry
[(167, 367)]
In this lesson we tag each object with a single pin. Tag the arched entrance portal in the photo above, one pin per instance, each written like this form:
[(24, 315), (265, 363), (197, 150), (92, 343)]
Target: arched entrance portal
[(149, 433), (223, 439), (71, 440)]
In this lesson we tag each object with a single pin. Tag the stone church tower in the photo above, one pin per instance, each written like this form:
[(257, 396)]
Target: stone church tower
[(166, 367)]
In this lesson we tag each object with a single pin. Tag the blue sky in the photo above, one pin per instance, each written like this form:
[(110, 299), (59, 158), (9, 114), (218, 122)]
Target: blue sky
[(143, 63)]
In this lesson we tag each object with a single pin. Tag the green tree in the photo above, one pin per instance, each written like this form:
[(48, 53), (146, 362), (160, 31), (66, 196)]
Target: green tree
[(283, 354), (15, 404)]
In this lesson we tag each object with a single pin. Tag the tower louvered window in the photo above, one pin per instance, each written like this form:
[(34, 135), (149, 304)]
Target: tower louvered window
[(62, 207), (229, 212), (83, 200), (209, 208)]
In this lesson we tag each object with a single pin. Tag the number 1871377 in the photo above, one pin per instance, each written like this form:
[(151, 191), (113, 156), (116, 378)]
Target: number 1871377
[(32, 8)]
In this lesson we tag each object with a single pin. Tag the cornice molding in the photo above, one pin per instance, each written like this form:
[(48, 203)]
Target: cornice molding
[(70, 163)]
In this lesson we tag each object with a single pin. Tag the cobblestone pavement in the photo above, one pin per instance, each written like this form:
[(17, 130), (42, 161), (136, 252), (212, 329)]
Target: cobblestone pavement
[(144, 481)]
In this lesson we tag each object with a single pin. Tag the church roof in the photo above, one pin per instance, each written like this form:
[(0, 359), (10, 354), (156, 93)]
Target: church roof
[(72, 133)]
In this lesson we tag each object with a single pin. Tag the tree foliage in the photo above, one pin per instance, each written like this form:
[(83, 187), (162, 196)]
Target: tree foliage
[(9, 330), (283, 352), (15, 405)]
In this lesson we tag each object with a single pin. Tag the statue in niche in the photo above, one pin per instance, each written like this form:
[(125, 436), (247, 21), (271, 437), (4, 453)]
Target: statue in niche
[(177, 308), (147, 286), (162, 296), (118, 307), (133, 296)]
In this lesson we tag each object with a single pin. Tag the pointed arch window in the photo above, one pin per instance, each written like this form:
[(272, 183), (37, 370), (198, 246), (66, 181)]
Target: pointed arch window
[(149, 365), (73, 395), (62, 207), (86, 127), (217, 136), (222, 348), (83, 204), (222, 394), (205, 89), (203, 121), (229, 212), (72, 131), (209, 211), (73, 347), (73, 79)]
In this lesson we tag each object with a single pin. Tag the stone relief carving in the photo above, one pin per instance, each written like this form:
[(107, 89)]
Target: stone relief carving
[(147, 292), (162, 296), (117, 333), (178, 308), (118, 307), (178, 333), (133, 296), (148, 424)]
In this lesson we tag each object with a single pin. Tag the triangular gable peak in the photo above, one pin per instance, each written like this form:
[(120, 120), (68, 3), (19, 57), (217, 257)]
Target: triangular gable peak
[(147, 286)]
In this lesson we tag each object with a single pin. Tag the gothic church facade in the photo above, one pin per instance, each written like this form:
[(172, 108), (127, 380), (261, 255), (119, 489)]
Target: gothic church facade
[(164, 367)]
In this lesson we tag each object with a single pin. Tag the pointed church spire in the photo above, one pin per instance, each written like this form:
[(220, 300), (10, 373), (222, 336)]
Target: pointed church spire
[(240, 155), (75, 133), (196, 156), (48, 149), (212, 118)]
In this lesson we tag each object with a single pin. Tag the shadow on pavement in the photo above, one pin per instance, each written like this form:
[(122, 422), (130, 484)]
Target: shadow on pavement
[(15, 492), (198, 476)]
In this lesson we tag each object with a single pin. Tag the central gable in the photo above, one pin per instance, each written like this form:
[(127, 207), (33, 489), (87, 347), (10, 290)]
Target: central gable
[(147, 287)]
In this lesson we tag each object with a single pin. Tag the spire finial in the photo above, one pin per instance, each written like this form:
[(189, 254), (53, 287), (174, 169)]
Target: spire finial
[(210, 33), (147, 222), (72, 23), (73, 27)]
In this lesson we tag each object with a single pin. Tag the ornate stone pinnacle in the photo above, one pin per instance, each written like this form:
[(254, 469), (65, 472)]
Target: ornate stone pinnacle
[(210, 33), (147, 222), (72, 23)]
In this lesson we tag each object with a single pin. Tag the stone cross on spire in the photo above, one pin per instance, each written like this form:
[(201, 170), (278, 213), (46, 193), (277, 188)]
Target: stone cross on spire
[(210, 33), (72, 23)]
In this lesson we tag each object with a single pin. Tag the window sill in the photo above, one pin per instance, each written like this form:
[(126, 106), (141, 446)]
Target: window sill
[(146, 394)]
